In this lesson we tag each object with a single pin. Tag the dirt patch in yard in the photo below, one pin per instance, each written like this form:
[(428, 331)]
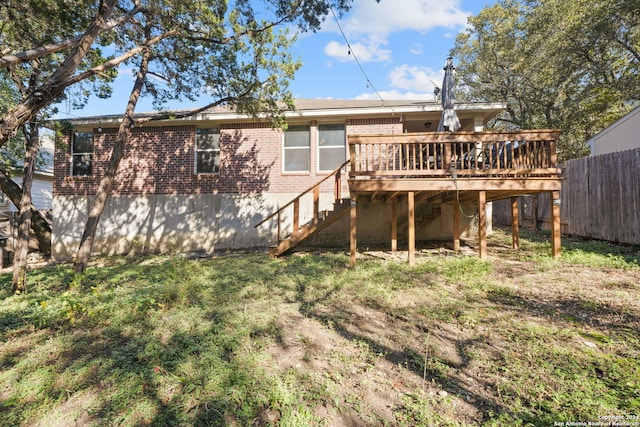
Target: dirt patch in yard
[(441, 355)]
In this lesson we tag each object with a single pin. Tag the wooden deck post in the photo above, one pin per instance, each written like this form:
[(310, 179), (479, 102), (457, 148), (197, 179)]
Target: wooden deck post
[(515, 231), (412, 226), (555, 224), (456, 224), (394, 225), (352, 230), (482, 224)]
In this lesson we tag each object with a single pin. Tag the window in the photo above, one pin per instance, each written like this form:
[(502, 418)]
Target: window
[(208, 151), (3, 199), (331, 147), (296, 149), (81, 153)]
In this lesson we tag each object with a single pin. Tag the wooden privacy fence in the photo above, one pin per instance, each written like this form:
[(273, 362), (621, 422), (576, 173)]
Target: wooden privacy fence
[(600, 199), (518, 153)]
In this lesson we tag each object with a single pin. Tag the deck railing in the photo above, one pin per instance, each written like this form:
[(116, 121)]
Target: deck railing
[(526, 153)]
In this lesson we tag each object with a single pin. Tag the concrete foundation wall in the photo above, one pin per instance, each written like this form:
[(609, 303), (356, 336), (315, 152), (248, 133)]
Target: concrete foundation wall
[(174, 223), (211, 222)]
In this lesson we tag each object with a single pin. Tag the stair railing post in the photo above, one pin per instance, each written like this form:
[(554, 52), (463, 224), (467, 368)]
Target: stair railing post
[(316, 203), (279, 234), (296, 217), (338, 185)]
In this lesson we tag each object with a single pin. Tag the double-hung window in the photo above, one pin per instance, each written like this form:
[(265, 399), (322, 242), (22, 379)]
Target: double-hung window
[(296, 148), (331, 146), (208, 150), (81, 153)]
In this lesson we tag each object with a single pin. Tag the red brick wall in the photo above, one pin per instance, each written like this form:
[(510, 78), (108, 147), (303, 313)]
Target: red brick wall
[(160, 160)]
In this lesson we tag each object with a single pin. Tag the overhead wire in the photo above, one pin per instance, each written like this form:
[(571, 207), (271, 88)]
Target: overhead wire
[(368, 80), (352, 52)]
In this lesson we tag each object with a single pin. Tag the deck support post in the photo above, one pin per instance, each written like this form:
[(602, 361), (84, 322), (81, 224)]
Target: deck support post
[(456, 224), (352, 230), (482, 224), (555, 223), (515, 231), (394, 225), (412, 226)]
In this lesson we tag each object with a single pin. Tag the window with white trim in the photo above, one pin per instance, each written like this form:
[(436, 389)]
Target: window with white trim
[(81, 153), (208, 150), (3, 199), (297, 148), (331, 146)]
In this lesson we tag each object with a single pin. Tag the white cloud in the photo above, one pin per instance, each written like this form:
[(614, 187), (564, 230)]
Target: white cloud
[(408, 83), (369, 24), (415, 78), (371, 52), (416, 49), (389, 16)]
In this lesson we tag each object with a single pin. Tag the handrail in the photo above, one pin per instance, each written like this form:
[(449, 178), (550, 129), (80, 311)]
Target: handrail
[(299, 196), (438, 154)]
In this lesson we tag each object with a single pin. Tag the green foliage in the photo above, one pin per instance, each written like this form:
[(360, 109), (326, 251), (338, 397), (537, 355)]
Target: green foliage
[(571, 65)]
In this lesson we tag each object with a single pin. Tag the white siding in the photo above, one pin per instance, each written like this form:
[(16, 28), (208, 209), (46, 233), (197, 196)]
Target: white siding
[(620, 136), (41, 193)]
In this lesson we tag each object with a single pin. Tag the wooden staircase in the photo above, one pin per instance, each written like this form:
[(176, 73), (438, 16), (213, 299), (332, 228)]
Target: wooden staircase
[(321, 220), (341, 207)]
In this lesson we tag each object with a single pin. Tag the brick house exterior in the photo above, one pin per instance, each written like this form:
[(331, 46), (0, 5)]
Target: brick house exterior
[(161, 202)]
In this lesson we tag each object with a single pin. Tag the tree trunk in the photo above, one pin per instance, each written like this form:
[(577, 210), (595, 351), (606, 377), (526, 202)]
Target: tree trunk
[(19, 282), (104, 189), (39, 224)]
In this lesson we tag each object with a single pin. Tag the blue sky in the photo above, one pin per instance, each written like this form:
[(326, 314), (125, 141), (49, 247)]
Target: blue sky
[(401, 45)]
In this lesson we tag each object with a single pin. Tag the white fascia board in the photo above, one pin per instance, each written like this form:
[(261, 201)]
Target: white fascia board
[(309, 113)]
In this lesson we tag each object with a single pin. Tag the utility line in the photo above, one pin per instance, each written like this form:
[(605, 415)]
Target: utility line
[(352, 52)]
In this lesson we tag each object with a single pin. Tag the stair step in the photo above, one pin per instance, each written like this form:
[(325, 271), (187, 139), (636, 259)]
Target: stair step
[(307, 230)]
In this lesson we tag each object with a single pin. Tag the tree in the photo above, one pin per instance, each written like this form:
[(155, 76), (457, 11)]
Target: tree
[(233, 53), (571, 65), (22, 151), (238, 59)]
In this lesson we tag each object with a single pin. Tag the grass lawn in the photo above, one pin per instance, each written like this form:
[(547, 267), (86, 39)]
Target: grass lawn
[(246, 340)]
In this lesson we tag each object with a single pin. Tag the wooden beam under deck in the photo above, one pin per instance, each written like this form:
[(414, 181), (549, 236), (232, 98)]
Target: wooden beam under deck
[(459, 184)]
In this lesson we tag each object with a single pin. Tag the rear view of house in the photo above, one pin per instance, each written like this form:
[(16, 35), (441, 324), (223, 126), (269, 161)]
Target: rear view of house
[(202, 183)]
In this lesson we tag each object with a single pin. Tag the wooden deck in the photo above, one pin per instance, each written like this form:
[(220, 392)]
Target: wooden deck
[(438, 168)]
